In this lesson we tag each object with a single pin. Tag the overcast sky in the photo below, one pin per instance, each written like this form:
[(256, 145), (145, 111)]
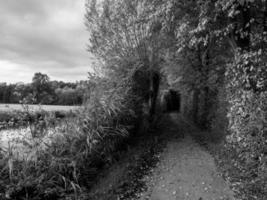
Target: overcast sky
[(47, 36)]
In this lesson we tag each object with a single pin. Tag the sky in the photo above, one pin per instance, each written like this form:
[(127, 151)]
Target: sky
[(47, 36)]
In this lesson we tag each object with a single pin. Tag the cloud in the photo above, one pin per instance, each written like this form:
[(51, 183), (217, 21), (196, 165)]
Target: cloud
[(47, 36), (14, 72)]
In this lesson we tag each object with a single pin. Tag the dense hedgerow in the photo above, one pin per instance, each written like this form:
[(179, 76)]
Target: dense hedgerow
[(247, 123), (243, 154)]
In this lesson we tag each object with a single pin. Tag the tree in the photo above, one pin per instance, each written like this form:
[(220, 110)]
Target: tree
[(42, 89), (23, 91), (125, 37)]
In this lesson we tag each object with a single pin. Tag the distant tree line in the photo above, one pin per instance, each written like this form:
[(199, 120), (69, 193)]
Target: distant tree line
[(43, 91)]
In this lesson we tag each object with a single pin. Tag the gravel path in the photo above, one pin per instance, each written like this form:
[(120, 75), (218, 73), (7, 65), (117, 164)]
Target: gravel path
[(185, 172)]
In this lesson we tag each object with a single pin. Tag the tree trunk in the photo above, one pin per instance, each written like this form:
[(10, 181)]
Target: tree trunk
[(195, 109), (206, 109), (155, 80)]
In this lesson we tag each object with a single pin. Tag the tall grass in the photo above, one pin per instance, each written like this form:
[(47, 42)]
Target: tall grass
[(68, 163)]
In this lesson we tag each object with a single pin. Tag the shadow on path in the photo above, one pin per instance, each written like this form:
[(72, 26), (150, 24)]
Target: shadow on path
[(166, 164), (185, 170)]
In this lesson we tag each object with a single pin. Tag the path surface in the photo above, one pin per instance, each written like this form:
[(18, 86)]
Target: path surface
[(185, 171)]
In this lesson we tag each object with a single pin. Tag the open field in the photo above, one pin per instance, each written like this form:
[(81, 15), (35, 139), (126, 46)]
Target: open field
[(18, 107)]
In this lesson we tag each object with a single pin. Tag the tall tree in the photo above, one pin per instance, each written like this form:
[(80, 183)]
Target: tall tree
[(41, 88), (124, 35)]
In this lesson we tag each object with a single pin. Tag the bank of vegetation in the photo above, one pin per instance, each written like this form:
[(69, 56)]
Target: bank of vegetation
[(212, 51)]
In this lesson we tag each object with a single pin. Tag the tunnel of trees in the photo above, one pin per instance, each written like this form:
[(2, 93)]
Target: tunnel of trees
[(212, 51)]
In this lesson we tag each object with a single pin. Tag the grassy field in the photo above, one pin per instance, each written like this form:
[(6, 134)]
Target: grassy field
[(48, 108)]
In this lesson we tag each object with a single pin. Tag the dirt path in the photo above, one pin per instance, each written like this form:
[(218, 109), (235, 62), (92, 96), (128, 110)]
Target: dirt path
[(185, 171)]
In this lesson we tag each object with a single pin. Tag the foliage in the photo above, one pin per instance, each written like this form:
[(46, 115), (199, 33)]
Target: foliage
[(79, 148), (71, 160), (217, 58), (43, 91), (125, 37), (248, 140), (213, 51), (41, 87)]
